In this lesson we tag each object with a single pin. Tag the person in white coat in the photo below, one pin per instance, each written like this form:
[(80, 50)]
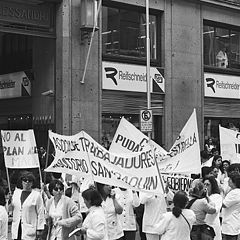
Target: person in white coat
[(3, 216), (28, 210), (154, 207), (213, 192), (178, 223), (94, 226), (112, 210), (230, 211), (128, 200)]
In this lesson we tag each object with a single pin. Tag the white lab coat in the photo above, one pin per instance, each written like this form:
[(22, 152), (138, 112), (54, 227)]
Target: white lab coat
[(31, 214)]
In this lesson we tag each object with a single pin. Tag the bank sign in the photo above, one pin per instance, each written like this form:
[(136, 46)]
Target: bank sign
[(221, 86), (14, 85), (130, 77)]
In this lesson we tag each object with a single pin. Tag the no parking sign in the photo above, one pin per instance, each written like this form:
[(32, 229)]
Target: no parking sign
[(146, 120)]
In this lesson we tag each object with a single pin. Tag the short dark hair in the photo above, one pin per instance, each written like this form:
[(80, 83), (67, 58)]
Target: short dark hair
[(53, 184), (56, 175), (204, 154), (235, 177), (234, 167), (226, 161), (99, 187), (29, 175), (205, 171), (180, 200), (2, 197), (93, 196)]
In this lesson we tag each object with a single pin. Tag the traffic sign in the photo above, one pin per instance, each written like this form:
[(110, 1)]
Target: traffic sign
[(146, 120)]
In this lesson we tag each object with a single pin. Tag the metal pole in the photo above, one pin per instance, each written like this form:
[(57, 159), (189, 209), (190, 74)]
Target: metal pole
[(148, 60), (91, 41)]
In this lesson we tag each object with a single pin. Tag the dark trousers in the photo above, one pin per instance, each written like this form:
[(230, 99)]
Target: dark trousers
[(229, 237), (129, 235), (19, 231), (195, 232)]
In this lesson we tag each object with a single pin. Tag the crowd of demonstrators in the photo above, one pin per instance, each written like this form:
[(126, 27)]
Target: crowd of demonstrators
[(103, 212)]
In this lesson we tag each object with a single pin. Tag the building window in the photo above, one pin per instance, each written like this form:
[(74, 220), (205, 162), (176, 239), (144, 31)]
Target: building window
[(221, 47), (124, 32), (15, 53)]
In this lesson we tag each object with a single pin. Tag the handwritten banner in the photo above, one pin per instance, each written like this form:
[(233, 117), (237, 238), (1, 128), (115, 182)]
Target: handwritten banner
[(184, 156), (176, 165), (230, 144), (20, 150), (81, 155), (128, 139)]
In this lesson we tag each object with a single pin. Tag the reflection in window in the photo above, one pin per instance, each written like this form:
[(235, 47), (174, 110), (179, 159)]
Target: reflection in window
[(124, 33), (221, 47)]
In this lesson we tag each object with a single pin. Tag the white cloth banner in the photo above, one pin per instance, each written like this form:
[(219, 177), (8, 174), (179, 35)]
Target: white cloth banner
[(20, 150), (230, 144), (128, 139), (184, 156), (81, 155)]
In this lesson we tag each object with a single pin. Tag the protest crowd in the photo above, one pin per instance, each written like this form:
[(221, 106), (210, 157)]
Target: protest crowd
[(61, 201)]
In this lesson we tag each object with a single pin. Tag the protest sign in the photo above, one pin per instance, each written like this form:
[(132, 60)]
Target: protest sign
[(128, 139), (184, 156), (182, 160), (177, 182), (20, 150), (230, 144), (81, 155)]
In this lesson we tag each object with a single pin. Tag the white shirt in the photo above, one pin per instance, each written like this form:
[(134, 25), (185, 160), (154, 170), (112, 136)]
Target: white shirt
[(154, 207), (172, 228), (56, 213), (96, 224), (114, 226), (3, 223), (231, 214), (213, 219), (128, 200)]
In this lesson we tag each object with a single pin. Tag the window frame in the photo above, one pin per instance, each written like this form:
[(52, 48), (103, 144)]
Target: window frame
[(132, 59), (214, 69)]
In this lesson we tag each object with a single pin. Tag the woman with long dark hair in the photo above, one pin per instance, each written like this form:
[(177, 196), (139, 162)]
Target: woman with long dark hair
[(178, 223), (112, 209), (213, 192), (201, 205)]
